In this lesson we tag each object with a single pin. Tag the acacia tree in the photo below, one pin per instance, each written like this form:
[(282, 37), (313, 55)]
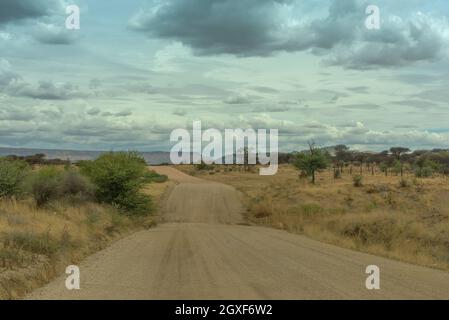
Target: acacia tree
[(397, 152), (311, 162)]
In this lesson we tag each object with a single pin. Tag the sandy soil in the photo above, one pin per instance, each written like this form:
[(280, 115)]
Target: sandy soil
[(202, 251)]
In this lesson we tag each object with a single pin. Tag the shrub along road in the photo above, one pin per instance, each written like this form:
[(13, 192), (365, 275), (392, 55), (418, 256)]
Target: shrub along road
[(201, 250)]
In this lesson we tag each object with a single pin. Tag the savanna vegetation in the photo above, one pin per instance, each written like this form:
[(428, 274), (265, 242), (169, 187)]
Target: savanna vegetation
[(392, 203), (54, 215)]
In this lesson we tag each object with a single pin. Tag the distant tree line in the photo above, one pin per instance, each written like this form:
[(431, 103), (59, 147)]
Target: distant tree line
[(38, 159), (395, 161)]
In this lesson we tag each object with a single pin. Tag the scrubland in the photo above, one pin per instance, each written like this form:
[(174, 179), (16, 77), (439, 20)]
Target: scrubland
[(404, 218)]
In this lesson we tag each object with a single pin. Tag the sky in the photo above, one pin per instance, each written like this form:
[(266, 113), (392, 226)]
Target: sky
[(136, 70)]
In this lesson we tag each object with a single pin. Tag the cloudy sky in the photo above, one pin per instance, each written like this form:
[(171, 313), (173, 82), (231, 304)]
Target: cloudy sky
[(136, 70)]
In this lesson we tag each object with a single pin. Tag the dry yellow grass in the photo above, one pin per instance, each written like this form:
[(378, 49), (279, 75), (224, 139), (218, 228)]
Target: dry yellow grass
[(37, 244), (382, 217)]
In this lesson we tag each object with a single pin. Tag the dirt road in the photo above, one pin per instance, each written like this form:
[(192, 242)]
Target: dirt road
[(202, 251)]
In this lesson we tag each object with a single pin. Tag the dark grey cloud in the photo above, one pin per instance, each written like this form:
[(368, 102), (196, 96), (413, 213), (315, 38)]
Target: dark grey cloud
[(125, 113), (292, 102), (399, 42), (93, 111), (54, 34), (214, 26), (259, 28), (238, 99), (180, 112), (46, 19), (17, 10)]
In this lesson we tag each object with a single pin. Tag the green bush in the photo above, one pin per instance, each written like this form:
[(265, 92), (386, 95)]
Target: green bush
[(12, 175), (404, 183), (118, 178), (50, 183), (203, 166), (73, 186), (44, 185), (358, 181), (134, 202)]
